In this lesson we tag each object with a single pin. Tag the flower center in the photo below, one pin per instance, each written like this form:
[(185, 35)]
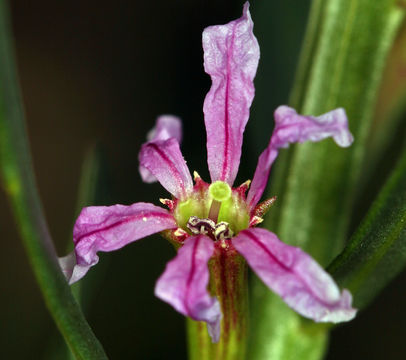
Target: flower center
[(216, 210), (208, 227)]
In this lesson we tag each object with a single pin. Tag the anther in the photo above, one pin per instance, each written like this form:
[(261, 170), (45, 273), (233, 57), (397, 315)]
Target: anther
[(201, 226), (222, 231)]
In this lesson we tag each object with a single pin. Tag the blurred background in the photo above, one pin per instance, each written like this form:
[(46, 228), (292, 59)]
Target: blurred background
[(96, 75)]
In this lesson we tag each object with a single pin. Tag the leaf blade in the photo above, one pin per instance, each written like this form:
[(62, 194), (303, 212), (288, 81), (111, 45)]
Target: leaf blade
[(377, 250), (19, 183)]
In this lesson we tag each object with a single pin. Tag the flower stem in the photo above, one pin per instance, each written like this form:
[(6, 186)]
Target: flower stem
[(229, 283)]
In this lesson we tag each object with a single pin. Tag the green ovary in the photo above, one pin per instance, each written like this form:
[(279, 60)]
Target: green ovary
[(233, 208)]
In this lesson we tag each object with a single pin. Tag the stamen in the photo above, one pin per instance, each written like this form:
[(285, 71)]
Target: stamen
[(220, 231), (223, 231), (201, 226)]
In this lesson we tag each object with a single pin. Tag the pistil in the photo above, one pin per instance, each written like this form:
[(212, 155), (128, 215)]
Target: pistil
[(214, 210), (220, 193)]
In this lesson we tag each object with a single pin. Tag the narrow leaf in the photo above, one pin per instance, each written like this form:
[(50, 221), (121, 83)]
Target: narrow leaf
[(377, 251), (19, 183)]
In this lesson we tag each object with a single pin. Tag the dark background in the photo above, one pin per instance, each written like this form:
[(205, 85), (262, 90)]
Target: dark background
[(99, 73)]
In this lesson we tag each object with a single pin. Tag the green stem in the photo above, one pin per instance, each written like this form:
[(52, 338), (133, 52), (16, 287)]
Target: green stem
[(309, 46), (229, 283), (348, 41), (19, 184)]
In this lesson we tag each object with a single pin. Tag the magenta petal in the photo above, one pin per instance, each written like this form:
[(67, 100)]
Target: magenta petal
[(295, 276), (290, 127), (108, 228), (261, 175), (164, 160), (231, 55), (166, 127), (184, 284)]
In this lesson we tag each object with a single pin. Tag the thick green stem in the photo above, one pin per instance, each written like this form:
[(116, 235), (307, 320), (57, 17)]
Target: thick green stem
[(341, 66), (19, 184), (376, 252), (229, 283)]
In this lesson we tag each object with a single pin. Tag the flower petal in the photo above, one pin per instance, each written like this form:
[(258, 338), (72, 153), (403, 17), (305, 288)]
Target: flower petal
[(290, 127), (184, 284), (231, 55), (166, 127), (164, 160), (295, 276), (108, 228)]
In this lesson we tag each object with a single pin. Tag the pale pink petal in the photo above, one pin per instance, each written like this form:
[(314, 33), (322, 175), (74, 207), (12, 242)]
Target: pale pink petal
[(164, 160), (184, 284), (108, 228), (71, 269), (231, 55), (261, 175), (290, 127), (166, 127), (291, 273)]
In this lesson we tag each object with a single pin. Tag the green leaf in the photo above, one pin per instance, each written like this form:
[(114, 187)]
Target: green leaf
[(345, 71), (377, 250), (282, 334), (341, 65), (19, 184), (390, 110)]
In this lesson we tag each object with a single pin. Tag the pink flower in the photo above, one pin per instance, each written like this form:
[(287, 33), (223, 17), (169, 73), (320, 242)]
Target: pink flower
[(204, 218)]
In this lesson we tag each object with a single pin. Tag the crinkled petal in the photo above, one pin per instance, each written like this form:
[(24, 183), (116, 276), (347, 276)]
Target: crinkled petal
[(164, 160), (184, 284), (73, 271), (166, 127), (231, 55), (290, 127), (261, 175), (108, 228), (295, 276)]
